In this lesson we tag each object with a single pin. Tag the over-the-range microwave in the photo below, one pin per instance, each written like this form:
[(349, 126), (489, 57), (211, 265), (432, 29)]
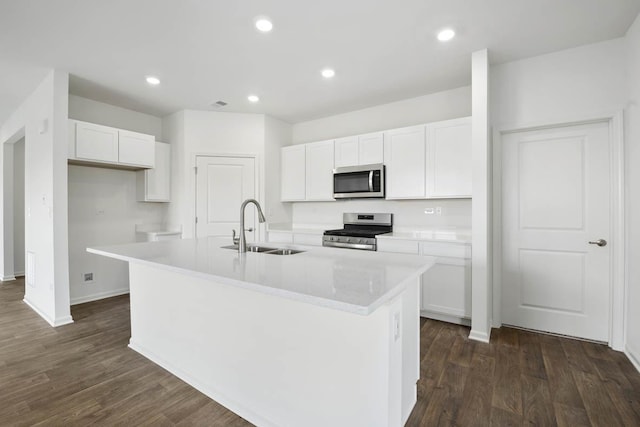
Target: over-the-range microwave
[(352, 182)]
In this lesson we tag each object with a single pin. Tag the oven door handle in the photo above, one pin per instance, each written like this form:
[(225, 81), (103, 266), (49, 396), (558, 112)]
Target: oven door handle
[(371, 181)]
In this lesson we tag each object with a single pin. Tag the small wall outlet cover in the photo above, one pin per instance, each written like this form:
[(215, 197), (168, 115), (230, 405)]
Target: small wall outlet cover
[(87, 277), (438, 210)]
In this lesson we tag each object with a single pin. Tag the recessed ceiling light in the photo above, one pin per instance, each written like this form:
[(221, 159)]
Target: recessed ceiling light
[(153, 80), (446, 35), (253, 98), (327, 73), (264, 25)]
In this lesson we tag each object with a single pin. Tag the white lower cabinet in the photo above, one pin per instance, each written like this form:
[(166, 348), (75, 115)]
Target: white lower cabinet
[(446, 287)]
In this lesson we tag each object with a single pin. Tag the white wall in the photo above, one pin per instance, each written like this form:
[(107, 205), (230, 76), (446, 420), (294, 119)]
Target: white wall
[(102, 206), (42, 119), (103, 211), (408, 214), (92, 111), (561, 86), (444, 105), (18, 207), (208, 133), (277, 134), (632, 157)]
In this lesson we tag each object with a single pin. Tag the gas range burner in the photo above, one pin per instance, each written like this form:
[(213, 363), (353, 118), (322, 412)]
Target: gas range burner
[(360, 231)]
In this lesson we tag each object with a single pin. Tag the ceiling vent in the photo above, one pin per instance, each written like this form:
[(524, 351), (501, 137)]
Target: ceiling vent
[(218, 104)]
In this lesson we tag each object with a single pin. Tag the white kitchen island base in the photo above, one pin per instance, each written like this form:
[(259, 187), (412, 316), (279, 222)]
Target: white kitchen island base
[(275, 361)]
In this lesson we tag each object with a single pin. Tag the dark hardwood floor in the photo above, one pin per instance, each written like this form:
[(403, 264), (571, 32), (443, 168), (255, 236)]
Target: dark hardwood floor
[(84, 374)]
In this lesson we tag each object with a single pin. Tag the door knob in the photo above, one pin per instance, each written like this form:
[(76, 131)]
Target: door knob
[(599, 242)]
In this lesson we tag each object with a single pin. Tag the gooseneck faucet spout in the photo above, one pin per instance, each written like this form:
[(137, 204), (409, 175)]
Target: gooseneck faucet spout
[(242, 243)]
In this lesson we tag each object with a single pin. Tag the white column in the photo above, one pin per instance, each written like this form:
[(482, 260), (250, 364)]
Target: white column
[(481, 293)]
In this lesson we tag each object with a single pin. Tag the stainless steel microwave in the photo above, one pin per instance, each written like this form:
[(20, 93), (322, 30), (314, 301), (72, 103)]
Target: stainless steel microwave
[(354, 182)]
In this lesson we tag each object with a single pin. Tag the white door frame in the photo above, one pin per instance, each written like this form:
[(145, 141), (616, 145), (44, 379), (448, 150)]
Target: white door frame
[(618, 289), (258, 185)]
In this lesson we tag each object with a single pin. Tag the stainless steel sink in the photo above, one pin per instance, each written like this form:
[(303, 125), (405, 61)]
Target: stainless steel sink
[(266, 250), (251, 248), (284, 251)]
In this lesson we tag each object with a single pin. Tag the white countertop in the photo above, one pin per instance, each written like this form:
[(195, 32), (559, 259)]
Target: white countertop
[(342, 279), (437, 235)]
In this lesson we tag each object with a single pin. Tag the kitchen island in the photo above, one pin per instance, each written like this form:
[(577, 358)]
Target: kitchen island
[(322, 337)]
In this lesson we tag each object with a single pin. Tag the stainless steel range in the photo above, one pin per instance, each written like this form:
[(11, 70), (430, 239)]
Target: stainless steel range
[(360, 230)]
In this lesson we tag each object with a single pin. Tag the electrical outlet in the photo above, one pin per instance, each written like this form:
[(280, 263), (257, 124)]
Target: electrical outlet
[(87, 278), (438, 210)]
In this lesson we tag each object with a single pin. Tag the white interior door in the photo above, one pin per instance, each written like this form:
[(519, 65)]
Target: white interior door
[(555, 196), (222, 184)]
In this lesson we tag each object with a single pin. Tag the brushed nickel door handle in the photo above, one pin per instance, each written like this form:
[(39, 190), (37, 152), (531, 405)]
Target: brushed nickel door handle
[(599, 242)]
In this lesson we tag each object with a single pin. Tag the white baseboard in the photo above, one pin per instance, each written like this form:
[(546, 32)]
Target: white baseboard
[(8, 278), (64, 320), (633, 356), (99, 296), (479, 336), (212, 393), (18, 273), (446, 318)]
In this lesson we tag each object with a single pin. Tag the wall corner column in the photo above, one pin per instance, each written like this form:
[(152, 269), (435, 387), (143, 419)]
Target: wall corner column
[(481, 266)]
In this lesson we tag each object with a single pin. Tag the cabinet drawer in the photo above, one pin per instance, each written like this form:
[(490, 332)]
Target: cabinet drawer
[(307, 239), (445, 250), (399, 246), (276, 237)]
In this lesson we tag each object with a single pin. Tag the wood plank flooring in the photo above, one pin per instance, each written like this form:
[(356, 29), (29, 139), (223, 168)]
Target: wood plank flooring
[(84, 374)]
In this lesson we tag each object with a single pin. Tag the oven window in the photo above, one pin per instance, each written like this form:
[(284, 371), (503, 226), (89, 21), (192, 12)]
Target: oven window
[(353, 182)]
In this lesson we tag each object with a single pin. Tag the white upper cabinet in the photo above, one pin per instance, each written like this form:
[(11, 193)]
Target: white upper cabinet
[(154, 185), (96, 142), (293, 167), (359, 150), (346, 151), (136, 148), (404, 157), (449, 159), (103, 145), (371, 148), (319, 171)]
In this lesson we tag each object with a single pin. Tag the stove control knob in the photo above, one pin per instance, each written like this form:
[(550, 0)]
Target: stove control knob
[(348, 239)]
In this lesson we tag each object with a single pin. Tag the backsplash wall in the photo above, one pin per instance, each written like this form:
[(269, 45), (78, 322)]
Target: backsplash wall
[(407, 214)]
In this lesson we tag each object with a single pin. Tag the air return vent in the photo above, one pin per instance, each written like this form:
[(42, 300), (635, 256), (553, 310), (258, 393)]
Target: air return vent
[(218, 104)]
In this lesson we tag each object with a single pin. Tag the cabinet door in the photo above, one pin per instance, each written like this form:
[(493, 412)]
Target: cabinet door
[(292, 177), (371, 148), (404, 155), (136, 149), (449, 159), (319, 171), (446, 288), (157, 181), (346, 151), (96, 142)]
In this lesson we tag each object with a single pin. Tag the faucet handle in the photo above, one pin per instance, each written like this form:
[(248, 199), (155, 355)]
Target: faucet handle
[(236, 240)]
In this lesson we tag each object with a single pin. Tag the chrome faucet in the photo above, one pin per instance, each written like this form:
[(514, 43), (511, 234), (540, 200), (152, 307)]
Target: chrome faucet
[(242, 243)]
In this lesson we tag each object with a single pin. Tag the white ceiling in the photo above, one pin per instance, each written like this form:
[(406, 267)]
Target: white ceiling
[(208, 50)]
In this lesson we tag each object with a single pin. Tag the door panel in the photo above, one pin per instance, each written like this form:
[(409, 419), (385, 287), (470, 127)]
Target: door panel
[(222, 184), (555, 187)]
